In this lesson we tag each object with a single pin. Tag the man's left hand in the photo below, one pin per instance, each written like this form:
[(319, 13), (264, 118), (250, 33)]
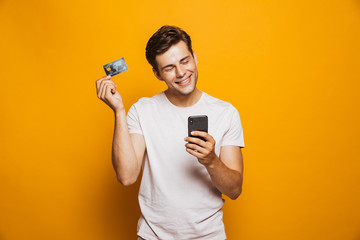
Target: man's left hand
[(203, 150)]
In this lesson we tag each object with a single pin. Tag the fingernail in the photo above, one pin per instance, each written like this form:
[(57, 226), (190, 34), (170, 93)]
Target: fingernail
[(192, 133)]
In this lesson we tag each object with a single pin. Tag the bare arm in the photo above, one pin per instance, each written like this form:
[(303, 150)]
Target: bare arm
[(226, 172), (127, 149)]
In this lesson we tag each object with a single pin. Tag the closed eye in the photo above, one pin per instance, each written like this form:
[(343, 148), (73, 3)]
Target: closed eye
[(185, 60), (168, 69)]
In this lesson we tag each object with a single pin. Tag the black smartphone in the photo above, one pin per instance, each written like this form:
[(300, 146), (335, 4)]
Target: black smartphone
[(197, 123)]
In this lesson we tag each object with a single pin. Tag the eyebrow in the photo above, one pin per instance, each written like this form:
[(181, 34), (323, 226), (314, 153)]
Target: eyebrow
[(171, 65)]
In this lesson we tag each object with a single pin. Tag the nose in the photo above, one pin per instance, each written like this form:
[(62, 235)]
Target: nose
[(180, 72)]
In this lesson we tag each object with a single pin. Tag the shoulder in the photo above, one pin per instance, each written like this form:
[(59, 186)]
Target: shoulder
[(218, 103), (148, 101), (148, 104)]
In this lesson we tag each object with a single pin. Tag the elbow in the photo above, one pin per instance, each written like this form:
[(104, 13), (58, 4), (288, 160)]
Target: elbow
[(236, 194), (237, 190), (126, 181)]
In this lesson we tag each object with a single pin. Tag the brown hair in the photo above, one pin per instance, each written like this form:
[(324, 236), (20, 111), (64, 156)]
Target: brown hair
[(162, 40)]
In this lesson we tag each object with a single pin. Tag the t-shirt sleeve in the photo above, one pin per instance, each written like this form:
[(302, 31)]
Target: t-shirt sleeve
[(234, 135), (133, 121)]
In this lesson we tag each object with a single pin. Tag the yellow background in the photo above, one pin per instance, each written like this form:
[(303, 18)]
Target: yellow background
[(291, 68)]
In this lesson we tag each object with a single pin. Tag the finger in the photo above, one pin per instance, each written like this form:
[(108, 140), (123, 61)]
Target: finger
[(204, 150), (194, 153), (99, 81), (205, 135), (108, 81), (103, 93), (98, 84), (196, 140), (113, 88), (102, 88), (107, 91), (194, 147)]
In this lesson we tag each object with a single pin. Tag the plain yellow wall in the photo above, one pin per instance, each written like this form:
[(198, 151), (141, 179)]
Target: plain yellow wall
[(291, 68)]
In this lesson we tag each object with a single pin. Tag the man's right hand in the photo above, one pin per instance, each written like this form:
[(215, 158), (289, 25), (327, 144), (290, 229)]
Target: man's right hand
[(106, 91)]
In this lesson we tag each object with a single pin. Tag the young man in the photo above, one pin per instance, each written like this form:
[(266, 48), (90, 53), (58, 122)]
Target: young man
[(181, 187)]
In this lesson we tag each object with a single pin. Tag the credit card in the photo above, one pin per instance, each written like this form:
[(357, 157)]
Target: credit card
[(115, 67)]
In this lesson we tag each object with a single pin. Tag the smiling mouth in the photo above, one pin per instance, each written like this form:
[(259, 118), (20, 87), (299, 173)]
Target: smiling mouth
[(184, 82)]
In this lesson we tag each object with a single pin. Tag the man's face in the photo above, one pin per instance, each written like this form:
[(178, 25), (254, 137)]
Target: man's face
[(177, 68)]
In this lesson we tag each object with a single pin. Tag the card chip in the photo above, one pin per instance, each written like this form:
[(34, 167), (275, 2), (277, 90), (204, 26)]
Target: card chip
[(115, 67)]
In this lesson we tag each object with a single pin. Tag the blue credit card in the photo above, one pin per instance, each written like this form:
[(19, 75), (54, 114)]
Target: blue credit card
[(115, 67)]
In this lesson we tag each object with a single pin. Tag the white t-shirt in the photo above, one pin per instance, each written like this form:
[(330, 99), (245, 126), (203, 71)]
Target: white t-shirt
[(177, 198)]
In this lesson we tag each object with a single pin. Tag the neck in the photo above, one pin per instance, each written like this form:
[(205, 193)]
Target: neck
[(184, 100)]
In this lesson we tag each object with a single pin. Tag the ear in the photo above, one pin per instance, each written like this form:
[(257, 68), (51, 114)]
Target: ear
[(195, 58), (157, 75)]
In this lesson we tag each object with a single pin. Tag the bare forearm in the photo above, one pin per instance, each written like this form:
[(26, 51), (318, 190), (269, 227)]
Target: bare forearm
[(123, 154), (226, 180)]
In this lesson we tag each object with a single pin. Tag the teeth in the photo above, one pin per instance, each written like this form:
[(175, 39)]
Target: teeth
[(184, 80)]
